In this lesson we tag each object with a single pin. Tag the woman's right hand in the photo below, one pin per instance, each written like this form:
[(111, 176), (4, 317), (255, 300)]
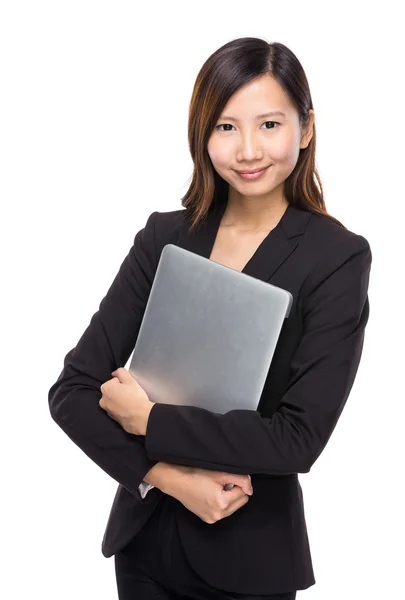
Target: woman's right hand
[(202, 492)]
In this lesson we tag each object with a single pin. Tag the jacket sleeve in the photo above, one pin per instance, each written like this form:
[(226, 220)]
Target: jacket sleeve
[(335, 309), (104, 346)]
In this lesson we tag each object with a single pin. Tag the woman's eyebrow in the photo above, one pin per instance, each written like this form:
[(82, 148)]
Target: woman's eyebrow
[(269, 114)]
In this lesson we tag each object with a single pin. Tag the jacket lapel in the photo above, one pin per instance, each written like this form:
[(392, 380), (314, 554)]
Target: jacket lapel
[(270, 254)]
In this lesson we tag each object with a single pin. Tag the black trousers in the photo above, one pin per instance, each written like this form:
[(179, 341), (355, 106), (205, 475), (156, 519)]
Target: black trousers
[(154, 566)]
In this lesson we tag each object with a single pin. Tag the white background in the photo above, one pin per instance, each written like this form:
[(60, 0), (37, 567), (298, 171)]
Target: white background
[(93, 108)]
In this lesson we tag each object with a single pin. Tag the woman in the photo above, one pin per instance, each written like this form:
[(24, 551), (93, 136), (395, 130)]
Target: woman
[(173, 528)]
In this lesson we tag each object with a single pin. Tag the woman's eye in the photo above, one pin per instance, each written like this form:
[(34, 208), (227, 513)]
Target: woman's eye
[(274, 122), (224, 125), (229, 125)]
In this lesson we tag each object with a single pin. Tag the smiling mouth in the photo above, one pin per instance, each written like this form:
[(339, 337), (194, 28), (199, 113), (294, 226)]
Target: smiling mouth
[(252, 172), (252, 175)]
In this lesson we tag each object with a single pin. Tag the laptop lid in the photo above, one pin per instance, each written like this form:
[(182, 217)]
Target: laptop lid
[(208, 333)]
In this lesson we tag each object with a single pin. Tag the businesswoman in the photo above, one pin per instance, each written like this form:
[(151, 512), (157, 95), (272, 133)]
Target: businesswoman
[(254, 204)]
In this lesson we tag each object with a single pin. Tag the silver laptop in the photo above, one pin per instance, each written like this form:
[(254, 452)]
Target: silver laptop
[(208, 334)]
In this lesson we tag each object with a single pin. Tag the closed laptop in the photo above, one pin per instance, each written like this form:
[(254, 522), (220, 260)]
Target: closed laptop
[(208, 334)]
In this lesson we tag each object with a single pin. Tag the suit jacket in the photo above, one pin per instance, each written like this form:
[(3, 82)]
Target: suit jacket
[(263, 547)]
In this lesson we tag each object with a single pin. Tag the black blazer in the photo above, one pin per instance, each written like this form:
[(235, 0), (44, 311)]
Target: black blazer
[(263, 547)]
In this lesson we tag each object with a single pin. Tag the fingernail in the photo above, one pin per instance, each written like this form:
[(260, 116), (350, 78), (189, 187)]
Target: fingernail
[(251, 491)]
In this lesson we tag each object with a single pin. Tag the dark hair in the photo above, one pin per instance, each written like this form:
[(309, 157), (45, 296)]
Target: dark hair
[(225, 71)]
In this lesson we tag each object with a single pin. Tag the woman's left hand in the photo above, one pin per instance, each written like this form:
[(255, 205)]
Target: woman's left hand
[(125, 401)]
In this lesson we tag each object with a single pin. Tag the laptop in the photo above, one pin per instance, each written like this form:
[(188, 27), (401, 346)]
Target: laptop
[(208, 334)]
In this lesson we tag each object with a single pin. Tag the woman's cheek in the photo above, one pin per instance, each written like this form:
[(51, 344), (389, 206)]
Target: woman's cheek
[(287, 149), (217, 157)]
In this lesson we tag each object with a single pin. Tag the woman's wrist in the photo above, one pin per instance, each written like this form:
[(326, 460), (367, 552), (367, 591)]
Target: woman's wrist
[(166, 476)]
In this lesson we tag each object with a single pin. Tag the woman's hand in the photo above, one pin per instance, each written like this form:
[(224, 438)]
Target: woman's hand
[(125, 401), (202, 492)]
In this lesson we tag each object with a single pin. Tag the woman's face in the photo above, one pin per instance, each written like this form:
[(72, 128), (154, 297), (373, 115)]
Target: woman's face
[(243, 139)]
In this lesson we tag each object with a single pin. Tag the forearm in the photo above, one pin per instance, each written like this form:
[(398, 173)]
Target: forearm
[(166, 476)]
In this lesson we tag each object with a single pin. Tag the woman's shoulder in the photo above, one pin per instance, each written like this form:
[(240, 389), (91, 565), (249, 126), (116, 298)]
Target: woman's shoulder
[(167, 225), (323, 235), (163, 227), (169, 219), (329, 249)]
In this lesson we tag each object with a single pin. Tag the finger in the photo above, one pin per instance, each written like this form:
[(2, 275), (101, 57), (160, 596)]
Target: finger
[(237, 498), (121, 374), (243, 481), (110, 415)]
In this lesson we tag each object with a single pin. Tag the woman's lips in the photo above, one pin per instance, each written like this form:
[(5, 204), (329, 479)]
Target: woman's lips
[(252, 175)]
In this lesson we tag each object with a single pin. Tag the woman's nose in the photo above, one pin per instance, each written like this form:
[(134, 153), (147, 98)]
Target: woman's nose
[(249, 148)]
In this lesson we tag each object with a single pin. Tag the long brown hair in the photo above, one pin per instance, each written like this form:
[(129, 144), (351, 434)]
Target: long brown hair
[(225, 71)]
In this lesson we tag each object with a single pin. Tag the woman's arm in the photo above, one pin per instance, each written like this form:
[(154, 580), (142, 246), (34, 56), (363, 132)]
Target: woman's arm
[(163, 474), (105, 345), (324, 366)]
